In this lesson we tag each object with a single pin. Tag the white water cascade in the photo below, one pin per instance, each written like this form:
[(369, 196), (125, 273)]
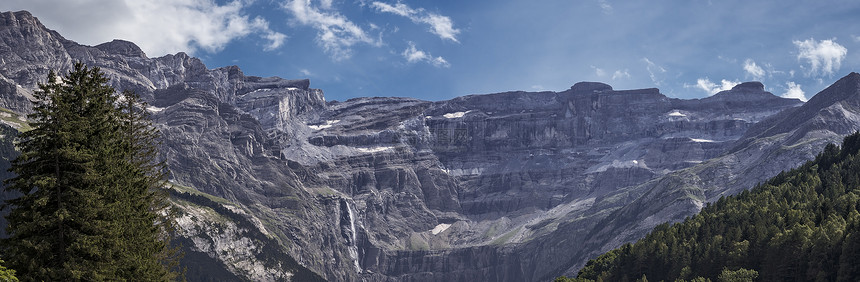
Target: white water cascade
[(353, 248)]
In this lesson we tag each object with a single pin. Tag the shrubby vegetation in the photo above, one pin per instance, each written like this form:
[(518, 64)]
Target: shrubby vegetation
[(802, 224)]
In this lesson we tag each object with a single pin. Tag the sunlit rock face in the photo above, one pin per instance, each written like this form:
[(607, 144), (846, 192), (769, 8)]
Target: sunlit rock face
[(515, 186)]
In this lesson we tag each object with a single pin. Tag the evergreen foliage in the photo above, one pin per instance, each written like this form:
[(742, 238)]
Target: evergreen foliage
[(801, 225), (7, 275), (92, 204)]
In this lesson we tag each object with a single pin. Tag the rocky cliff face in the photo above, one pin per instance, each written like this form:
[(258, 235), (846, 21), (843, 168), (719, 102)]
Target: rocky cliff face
[(512, 186)]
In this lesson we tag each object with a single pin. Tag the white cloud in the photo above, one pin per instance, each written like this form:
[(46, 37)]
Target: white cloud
[(793, 91), (413, 55), (159, 27), (653, 71), (335, 33), (440, 25), (440, 62), (621, 74), (824, 57), (326, 4), (753, 70), (712, 88), (398, 9), (305, 72), (856, 38)]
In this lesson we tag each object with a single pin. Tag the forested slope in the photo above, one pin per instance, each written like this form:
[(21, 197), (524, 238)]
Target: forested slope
[(802, 224)]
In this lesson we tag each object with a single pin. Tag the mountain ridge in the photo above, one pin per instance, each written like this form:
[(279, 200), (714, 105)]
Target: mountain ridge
[(497, 186)]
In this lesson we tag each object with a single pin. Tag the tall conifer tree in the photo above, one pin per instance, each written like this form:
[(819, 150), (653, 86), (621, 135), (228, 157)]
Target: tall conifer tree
[(91, 207), (141, 177)]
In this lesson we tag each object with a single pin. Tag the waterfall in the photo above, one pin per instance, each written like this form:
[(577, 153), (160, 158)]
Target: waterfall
[(351, 222), (353, 244)]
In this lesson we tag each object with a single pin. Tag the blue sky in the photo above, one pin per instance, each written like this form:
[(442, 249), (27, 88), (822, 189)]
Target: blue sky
[(437, 50)]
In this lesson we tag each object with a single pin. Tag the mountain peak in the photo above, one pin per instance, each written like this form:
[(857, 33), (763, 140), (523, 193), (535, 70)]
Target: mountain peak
[(853, 76), (845, 89), (750, 86), (752, 91), (830, 109), (590, 87), (16, 15), (122, 47)]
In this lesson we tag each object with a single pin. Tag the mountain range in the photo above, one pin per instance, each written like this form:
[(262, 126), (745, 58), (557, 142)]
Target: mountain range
[(275, 183)]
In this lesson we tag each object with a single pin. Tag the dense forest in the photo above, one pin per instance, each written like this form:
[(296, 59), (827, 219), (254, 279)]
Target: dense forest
[(801, 225)]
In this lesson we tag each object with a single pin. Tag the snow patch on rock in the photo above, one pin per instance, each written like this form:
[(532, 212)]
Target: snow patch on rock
[(464, 171), (327, 124), (677, 114), (373, 149), (440, 228), (456, 115)]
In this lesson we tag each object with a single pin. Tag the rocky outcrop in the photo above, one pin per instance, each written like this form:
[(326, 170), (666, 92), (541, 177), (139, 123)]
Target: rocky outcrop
[(514, 186)]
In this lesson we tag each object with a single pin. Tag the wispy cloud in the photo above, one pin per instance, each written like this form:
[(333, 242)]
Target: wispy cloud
[(653, 71), (771, 70), (413, 55), (605, 6), (753, 70), (620, 74), (276, 39), (712, 88), (335, 33), (305, 72), (440, 25), (824, 57), (793, 91), (727, 59), (598, 71)]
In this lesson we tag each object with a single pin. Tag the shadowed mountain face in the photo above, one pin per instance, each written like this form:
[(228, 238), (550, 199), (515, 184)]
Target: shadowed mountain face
[(514, 186)]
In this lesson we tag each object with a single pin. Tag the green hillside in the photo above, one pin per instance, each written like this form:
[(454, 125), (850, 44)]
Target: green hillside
[(802, 225)]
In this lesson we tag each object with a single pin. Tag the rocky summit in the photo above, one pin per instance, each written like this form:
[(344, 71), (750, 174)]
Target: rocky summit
[(276, 183)]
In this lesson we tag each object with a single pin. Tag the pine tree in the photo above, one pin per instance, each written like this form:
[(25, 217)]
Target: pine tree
[(91, 207), (148, 255)]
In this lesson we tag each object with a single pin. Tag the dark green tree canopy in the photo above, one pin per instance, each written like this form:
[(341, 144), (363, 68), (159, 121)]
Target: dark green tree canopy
[(92, 204)]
